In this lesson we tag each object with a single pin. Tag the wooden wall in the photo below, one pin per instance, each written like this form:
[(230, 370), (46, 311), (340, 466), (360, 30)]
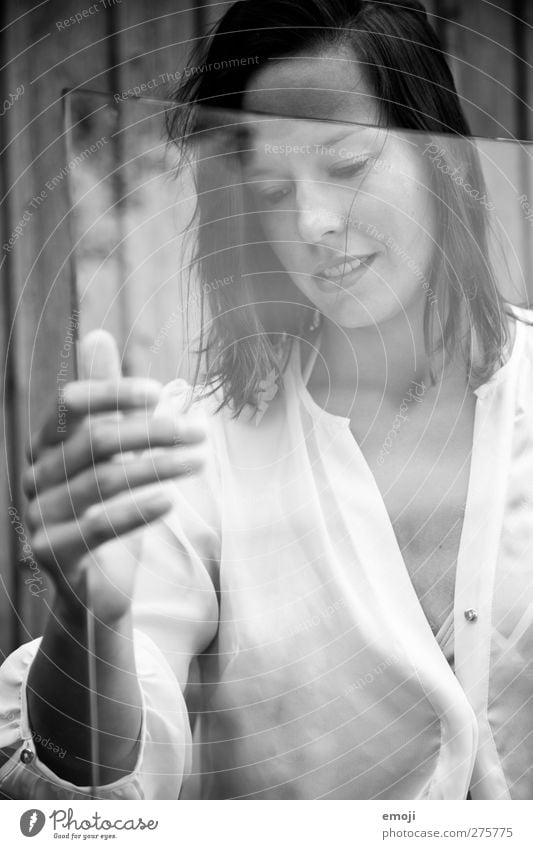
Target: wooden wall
[(125, 44)]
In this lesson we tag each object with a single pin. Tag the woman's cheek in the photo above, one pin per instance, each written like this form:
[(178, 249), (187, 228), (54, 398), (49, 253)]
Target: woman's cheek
[(272, 228), (280, 234)]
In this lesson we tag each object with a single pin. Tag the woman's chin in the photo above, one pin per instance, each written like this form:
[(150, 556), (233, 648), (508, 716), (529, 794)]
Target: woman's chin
[(350, 316)]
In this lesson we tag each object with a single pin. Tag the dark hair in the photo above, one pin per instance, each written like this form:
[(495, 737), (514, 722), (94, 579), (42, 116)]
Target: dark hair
[(407, 71)]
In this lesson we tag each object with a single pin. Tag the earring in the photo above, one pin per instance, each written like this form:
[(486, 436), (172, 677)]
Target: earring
[(315, 321)]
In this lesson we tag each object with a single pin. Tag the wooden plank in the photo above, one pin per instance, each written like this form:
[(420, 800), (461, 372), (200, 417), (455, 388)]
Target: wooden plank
[(154, 46), (480, 44), (49, 51), (48, 58), (8, 473)]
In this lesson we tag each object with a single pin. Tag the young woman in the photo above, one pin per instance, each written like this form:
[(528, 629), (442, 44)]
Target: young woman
[(337, 602)]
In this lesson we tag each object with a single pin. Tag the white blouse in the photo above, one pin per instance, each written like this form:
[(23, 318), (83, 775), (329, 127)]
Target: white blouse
[(317, 672)]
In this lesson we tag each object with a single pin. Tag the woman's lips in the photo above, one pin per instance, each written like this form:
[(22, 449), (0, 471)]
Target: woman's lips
[(349, 264), (344, 274)]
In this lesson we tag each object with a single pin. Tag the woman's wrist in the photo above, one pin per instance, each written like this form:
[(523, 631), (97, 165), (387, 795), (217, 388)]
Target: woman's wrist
[(71, 612)]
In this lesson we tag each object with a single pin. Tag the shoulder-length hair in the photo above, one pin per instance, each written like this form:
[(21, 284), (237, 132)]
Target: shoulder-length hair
[(406, 69)]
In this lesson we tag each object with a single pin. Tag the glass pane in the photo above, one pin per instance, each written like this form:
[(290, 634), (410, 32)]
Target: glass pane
[(266, 182), (128, 212), (314, 262)]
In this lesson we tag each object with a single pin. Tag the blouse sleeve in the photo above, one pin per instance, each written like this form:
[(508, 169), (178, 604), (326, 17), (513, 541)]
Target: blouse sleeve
[(175, 616)]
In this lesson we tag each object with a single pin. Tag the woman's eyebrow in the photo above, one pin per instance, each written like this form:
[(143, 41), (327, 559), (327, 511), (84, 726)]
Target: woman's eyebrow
[(340, 137), (325, 143)]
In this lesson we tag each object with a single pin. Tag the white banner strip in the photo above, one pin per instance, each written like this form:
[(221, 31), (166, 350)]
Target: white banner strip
[(269, 825)]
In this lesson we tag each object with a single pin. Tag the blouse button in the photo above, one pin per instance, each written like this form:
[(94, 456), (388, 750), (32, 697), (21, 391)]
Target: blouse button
[(470, 615), (26, 756)]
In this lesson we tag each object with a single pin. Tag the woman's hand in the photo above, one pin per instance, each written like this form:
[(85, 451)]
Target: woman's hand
[(90, 488)]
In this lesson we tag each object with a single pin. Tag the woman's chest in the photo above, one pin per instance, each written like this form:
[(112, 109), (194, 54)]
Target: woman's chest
[(422, 479), (325, 484)]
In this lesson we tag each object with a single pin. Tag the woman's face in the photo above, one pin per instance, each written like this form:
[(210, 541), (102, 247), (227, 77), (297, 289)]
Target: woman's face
[(346, 209)]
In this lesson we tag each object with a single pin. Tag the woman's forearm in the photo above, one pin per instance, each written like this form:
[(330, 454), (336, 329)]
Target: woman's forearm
[(58, 699)]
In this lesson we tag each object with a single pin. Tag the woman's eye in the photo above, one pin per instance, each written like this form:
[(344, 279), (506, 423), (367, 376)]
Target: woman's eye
[(274, 197), (351, 169)]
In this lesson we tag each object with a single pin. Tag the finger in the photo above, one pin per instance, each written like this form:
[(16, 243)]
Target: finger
[(100, 361), (103, 439), (69, 541), (90, 397), (99, 357), (98, 483), (81, 398)]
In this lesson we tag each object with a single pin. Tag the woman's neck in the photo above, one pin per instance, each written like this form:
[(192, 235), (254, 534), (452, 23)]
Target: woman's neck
[(381, 359)]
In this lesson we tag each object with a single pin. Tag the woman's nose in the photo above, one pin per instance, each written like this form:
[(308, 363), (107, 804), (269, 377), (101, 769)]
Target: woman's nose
[(317, 215)]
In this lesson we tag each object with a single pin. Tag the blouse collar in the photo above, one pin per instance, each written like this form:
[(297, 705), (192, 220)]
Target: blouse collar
[(511, 354)]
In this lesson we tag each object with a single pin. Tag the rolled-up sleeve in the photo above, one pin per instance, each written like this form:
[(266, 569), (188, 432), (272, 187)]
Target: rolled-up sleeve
[(175, 615)]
